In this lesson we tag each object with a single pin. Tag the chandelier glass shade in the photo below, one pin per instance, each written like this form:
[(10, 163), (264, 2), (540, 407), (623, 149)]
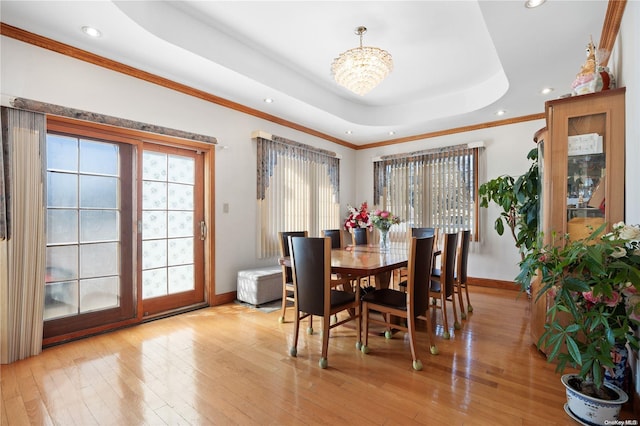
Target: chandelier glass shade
[(362, 68)]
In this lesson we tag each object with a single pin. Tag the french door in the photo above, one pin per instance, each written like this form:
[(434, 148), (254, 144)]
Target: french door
[(173, 229), (125, 232)]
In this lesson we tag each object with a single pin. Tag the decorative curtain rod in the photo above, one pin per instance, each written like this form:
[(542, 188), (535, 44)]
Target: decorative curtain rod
[(43, 107), (470, 145)]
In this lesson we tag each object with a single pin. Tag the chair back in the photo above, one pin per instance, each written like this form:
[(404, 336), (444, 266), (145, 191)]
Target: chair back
[(336, 237), (448, 263), (283, 241), (422, 232), (360, 237), (419, 274), (463, 255), (311, 264)]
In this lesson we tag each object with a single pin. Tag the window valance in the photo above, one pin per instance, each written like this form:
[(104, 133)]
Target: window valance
[(62, 111), (271, 147)]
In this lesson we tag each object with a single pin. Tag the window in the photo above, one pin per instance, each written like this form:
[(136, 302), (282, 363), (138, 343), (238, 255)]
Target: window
[(298, 190), (435, 188)]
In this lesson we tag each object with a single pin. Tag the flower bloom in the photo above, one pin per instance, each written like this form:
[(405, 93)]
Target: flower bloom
[(589, 297), (630, 233), (613, 300), (619, 252)]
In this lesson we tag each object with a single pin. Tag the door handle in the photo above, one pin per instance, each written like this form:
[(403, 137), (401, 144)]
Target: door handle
[(203, 230)]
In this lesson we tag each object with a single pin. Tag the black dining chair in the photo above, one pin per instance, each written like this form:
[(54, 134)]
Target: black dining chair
[(443, 282), (462, 258), (410, 305), (360, 236), (287, 276), (336, 243), (311, 265), (418, 233)]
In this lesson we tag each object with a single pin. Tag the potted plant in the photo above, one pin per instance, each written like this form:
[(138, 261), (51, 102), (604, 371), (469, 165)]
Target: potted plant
[(595, 286), (518, 199)]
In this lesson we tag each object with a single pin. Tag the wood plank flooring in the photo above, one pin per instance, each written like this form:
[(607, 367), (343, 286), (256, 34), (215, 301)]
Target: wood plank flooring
[(230, 365)]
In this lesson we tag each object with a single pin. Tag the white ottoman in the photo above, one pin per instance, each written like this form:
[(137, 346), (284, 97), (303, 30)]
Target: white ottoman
[(260, 285)]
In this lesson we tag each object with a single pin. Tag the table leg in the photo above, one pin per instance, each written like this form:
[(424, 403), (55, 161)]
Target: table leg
[(382, 279)]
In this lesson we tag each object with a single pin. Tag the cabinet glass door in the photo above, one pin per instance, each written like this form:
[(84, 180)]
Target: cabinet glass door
[(586, 173)]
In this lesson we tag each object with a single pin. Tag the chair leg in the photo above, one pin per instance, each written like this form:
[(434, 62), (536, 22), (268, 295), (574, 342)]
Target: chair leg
[(445, 322), (365, 329), (456, 323), (359, 325), (293, 350), (284, 304), (466, 290), (411, 326), (325, 341), (463, 314), (432, 346)]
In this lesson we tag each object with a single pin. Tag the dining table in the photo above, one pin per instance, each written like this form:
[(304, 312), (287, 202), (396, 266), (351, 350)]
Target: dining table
[(369, 260), (366, 260)]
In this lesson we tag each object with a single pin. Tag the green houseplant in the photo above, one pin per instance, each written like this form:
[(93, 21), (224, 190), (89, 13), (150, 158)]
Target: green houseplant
[(518, 198), (595, 286)]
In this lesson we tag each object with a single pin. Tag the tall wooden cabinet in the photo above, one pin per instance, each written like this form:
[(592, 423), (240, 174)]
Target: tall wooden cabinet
[(581, 163)]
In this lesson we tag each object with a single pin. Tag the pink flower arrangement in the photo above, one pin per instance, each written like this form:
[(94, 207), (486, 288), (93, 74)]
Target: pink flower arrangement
[(383, 219), (358, 218)]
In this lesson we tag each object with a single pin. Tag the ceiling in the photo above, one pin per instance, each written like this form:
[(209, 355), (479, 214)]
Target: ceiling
[(456, 63)]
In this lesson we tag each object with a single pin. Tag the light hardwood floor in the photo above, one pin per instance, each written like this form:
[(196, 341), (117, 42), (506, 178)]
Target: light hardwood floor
[(230, 365)]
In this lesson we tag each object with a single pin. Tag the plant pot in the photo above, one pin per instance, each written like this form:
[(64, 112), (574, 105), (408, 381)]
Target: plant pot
[(590, 410)]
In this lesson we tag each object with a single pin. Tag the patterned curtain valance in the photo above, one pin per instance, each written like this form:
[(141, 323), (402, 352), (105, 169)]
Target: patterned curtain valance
[(45, 108), (269, 150)]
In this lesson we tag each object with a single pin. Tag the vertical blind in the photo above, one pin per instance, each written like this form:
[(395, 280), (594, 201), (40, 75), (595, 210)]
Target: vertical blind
[(21, 308), (297, 190), (434, 188)]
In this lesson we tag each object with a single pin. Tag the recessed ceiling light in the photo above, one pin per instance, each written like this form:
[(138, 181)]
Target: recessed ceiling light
[(348, 132), (391, 133), (530, 4), (546, 90), (91, 32), (501, 112), (268, 100)]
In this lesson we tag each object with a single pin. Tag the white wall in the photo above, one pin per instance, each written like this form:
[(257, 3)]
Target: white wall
[(626, 66), (506, 151)]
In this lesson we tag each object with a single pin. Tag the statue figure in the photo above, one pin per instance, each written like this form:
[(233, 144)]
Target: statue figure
[(588, 80)]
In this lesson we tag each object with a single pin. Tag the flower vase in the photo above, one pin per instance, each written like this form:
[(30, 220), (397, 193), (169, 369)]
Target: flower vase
[(384, 239)]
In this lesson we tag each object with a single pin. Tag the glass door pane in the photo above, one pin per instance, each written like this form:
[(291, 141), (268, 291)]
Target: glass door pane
[(85, 283), (171, 240), (586, 171)]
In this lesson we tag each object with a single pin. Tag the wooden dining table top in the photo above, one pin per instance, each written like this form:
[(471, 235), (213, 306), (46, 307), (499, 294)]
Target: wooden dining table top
[(367, 259), (364, 260)]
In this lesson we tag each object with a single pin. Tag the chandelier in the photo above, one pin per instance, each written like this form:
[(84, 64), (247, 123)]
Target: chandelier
[(362, 68)]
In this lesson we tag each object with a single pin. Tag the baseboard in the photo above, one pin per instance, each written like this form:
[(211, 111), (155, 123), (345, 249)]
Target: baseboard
[(487, 282), (221, 299)]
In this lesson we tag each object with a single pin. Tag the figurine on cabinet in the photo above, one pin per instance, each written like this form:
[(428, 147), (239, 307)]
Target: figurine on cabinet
[(588, 80)]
